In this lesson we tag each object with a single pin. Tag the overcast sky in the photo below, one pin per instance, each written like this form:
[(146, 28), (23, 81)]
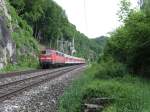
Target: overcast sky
[(92, 17)]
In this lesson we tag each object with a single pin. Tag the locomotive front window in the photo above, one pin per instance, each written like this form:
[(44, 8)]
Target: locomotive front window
[(43, 52), (48, 52)]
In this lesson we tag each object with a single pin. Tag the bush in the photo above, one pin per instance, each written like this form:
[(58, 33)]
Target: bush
[(110, 69), (28, 61), (24, 63)]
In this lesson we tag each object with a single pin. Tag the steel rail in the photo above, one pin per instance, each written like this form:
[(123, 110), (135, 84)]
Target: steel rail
[(32, 77), (22, 88)]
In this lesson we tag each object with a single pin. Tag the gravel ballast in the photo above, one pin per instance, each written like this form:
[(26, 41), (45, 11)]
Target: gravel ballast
[(43, 98)]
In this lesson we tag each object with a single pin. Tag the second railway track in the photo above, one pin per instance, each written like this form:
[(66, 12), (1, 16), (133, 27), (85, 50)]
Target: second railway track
[(12, 88)]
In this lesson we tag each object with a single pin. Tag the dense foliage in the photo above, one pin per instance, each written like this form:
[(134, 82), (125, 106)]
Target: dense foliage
[(130, 44), (49, 22), (145, 7)]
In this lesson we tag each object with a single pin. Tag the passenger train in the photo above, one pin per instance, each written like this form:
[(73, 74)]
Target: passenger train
[(52, 58)]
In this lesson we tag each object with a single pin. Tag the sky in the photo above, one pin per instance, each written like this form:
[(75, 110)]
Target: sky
[(94, 18)]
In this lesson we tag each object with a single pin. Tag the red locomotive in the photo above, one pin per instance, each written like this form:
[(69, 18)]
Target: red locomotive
[(49, 58)]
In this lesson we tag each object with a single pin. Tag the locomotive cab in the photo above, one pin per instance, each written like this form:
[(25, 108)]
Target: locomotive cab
[(46, 58)]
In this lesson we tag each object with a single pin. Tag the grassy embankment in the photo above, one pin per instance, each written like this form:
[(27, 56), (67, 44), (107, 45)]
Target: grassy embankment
[(130, 93), (25, 63)]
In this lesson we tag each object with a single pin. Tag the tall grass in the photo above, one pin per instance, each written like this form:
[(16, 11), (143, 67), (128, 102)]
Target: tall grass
[(130, 94), (72, 99)]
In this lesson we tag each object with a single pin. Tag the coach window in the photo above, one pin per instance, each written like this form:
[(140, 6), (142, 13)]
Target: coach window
[(57, 53)]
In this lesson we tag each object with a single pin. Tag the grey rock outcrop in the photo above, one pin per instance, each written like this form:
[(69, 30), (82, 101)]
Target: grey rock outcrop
[(7, 47)]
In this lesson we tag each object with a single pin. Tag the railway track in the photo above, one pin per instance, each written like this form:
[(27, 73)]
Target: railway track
[(12, 88), (12, 74)]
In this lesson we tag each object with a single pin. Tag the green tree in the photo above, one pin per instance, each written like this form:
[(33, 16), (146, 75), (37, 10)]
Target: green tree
[(145, 6), (130, 44), (125, 9)]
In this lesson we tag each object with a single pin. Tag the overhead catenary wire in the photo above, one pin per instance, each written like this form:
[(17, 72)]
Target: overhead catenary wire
[(85, 16)]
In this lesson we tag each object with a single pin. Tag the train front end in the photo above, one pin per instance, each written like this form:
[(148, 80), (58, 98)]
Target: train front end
[(46, 58)]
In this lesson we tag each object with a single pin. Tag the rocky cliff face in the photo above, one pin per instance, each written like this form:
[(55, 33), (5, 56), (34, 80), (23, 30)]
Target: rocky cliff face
[(7, 48)]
